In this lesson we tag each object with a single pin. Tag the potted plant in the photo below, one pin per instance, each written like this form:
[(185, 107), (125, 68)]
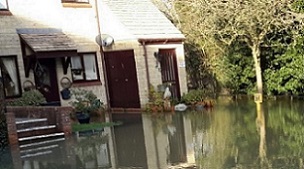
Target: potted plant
[(156, 101), (85, 103)]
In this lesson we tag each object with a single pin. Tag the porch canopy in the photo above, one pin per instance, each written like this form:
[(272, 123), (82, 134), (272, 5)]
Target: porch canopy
[(42, 43), (46, 43)]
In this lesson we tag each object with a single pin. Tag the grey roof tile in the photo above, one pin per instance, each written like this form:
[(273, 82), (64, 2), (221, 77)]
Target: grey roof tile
[(143, 19), (49, 42)]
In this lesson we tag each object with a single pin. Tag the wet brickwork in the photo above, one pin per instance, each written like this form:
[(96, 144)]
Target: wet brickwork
[(3, 129)]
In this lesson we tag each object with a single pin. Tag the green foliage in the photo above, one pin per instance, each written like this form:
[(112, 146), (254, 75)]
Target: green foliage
[(85, 101), (155, 100), (28, 98), (285, 72), (195, 96), (92, 126), (239, 70), (298, 5), (199, 68), (213, 65)]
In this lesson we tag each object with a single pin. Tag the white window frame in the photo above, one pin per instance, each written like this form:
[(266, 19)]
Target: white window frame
[(76, 1), (3, 5), (13, 75), (84, 68)]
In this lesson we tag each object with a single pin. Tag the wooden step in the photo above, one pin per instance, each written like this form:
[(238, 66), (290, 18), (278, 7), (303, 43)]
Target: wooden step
[(35, 144), (36, 128), (29, 120), (47, 147), (41, 136), (36, 154), (23, 123)]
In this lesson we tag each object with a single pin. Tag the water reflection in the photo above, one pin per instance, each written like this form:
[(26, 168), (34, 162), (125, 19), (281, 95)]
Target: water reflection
[(232, 135), (245, 135), (143, 141)]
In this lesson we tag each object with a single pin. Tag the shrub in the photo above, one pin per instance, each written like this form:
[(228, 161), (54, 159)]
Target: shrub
[(156, 100), (197, 96), (85, 101), (28, 98)]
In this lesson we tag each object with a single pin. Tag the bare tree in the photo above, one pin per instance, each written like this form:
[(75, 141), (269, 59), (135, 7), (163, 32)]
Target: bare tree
[(250, 21)]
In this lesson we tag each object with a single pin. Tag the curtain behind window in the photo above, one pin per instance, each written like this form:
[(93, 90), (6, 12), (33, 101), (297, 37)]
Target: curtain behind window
[(90, 67), (10, 67), (77, 69)]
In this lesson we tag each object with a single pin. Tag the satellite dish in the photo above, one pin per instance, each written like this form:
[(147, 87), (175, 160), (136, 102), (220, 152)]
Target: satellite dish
[(104, 40)]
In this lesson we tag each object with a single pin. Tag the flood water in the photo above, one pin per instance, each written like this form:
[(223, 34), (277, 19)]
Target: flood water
[(232, 135)]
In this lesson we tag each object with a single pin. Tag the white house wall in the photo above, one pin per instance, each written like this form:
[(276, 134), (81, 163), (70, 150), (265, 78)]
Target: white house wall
[(79, 24), (155, 74)]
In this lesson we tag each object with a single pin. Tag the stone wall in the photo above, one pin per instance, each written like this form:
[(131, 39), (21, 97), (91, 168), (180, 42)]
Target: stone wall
[(79, 23)]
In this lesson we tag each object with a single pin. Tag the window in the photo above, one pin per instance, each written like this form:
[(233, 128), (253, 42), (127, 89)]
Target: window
[(75, 1), (3, 5), (9, 76), (84, 67)]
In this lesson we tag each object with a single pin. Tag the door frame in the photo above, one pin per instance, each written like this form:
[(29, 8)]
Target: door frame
[(169, 71), (54, 97), (120, 53)]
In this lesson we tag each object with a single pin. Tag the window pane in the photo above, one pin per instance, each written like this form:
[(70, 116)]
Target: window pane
[(86, 1), (76, 62), (10, 77), (90, 67), (3, 4), (77, 69)]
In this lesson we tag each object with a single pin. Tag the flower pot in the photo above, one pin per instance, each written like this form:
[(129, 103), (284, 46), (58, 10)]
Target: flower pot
[(83, 118), (65, 94)]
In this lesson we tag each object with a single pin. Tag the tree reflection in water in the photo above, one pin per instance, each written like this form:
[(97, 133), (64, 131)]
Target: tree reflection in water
[(242, 134), (233, 135)]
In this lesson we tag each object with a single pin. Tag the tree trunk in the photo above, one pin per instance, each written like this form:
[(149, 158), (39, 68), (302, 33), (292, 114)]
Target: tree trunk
[(261, 126), (256, 53)]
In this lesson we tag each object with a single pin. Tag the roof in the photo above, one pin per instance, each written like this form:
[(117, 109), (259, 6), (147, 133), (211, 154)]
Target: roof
[(48, 42), (143, 19), (46, 39)]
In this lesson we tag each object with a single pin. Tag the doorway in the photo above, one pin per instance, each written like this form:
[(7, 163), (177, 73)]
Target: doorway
[(46, 80), (169, 71), (122, 79)]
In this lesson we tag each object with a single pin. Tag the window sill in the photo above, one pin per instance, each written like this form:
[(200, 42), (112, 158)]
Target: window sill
[(87, 83), (76, 5), (5, 12)]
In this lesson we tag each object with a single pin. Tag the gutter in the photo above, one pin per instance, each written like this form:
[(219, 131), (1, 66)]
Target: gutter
[(102, 58), (146, 64), (161, 41)]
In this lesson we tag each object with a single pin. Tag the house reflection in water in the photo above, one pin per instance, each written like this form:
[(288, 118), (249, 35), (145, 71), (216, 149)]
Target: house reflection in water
[(142, 141)]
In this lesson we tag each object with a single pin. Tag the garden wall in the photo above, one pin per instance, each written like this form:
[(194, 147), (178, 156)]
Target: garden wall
[(55, 115)]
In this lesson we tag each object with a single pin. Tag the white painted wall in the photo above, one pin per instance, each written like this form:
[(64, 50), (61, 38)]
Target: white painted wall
[(80, 24)]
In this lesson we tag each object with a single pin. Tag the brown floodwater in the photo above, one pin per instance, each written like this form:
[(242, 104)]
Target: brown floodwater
[(232, 135)]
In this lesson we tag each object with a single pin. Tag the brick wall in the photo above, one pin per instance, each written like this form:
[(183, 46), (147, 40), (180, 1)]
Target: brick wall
[(55, 115)]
